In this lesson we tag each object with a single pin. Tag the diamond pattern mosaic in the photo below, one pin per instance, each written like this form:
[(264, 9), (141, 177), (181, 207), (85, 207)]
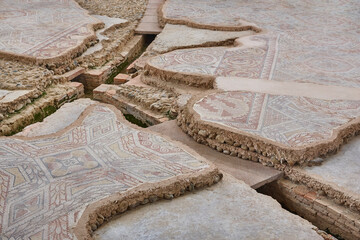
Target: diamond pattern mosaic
[(46, 183)]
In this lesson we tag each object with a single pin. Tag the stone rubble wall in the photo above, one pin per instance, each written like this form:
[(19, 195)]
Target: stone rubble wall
[(108, 94), (93, 78), (54, 98)]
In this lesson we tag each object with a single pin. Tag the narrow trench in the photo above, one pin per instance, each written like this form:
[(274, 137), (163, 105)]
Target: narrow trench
[(271, 190), (122, 69)]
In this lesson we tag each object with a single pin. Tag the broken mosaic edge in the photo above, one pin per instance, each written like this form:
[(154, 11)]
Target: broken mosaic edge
[(67, 55), (263, 149), (338, 194), (243, 25), (100, 212)]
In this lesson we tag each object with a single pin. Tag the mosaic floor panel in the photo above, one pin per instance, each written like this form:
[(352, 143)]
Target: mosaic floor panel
[(46, 182), (43, 29), (221, 15), (292, 121), (305, 41)]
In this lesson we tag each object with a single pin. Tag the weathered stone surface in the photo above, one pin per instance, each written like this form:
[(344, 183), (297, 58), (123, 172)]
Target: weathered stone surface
[(169, 39), (49, 31), (206, 14), (228, 210)]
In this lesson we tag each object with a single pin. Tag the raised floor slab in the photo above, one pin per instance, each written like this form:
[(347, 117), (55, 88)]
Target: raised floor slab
[(273, 128), (286, 48), (169, 39), (229, 210), (45, 31)]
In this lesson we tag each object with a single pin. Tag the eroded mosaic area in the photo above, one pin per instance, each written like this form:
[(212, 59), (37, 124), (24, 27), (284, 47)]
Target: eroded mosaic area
[(292, 121), (215, 14), (43, 29), (47, 182)]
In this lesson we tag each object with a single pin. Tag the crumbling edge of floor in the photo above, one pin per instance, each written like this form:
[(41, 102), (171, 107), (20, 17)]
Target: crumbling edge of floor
[(242, 24), (69, 54), (256, 148), (100, 212)]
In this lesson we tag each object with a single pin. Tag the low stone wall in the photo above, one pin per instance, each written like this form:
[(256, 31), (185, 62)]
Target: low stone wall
[(318, 209), (107, 93), (53, 99), (93, 78)]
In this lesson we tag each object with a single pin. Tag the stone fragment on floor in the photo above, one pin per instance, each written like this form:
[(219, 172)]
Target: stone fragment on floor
[(64, 117)]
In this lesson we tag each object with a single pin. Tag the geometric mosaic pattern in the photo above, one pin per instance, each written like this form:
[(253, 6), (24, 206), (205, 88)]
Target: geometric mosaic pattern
[(46, 182), (43, 29), (217, 61), (292, 121), (305, 41)]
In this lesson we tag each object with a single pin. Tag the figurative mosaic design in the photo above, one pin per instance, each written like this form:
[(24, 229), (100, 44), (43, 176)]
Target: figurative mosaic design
[(292, 121), (47, 182)]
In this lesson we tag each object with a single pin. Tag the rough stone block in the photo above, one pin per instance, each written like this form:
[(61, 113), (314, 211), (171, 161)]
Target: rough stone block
[(121, 78)]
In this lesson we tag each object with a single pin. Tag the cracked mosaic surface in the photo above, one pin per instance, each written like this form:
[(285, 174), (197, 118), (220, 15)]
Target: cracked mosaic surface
[(305, 41), (46, 183), (292, 121), (43, 29)]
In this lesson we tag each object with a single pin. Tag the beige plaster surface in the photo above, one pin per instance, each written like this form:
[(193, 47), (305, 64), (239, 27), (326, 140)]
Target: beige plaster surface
[(180, 36), (13, 95), (227, 210)]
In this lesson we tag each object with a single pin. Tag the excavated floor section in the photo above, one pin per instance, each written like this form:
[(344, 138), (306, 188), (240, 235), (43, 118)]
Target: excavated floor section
[(314, 42), (47, 181)]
